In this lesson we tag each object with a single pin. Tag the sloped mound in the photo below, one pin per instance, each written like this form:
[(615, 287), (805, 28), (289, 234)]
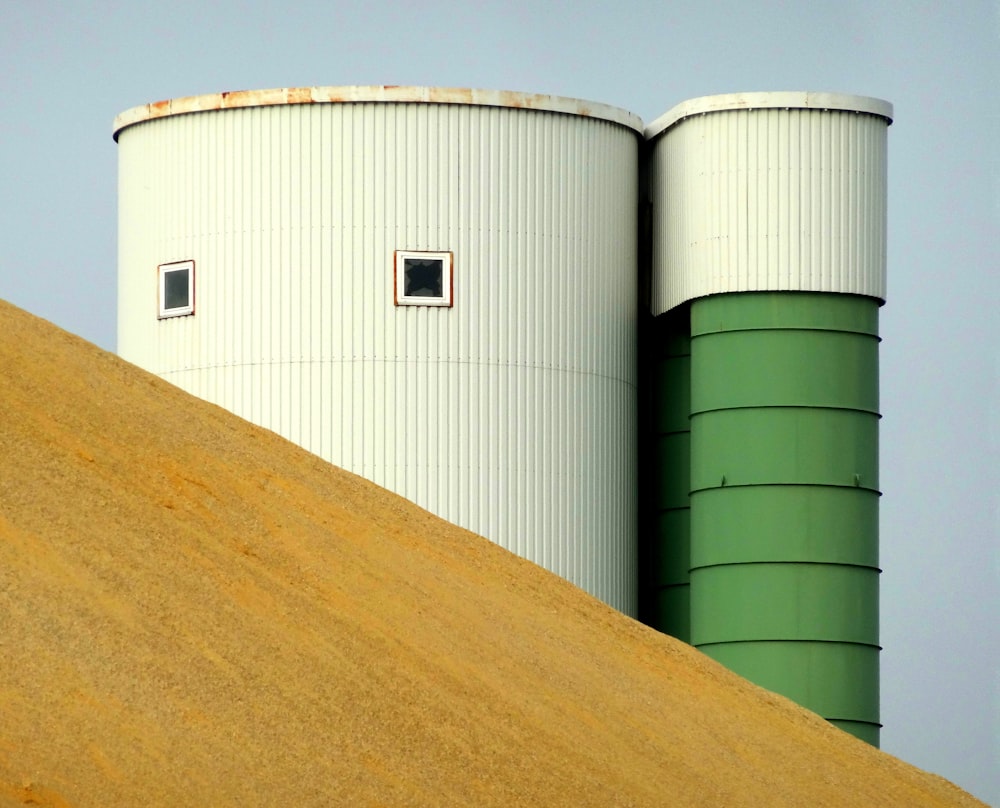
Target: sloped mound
[(194, 611)]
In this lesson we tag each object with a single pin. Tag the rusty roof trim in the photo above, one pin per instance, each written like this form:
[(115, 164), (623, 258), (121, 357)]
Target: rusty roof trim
[(374, 94), (768, 100)]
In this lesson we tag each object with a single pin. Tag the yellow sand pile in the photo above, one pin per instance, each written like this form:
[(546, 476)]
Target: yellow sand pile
[(195, 612)]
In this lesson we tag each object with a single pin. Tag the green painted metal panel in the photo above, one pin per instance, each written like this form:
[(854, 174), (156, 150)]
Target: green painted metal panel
[(664, 551), (671, 560), (786, 523), (669, 611), (666, 565), (760, 368), (784, 601), (806, 310), (764, 445), (672, 476), (784, 496), (839, 681), (672, 378)]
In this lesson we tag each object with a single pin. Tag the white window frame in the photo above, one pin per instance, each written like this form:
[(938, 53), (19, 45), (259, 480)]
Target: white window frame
[(162, 271), (447, 279)]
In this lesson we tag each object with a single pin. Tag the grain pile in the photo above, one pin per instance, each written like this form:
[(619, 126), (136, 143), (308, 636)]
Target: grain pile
[(195, 612)]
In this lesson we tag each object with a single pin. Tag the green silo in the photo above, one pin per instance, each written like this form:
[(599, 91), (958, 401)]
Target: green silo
[(784, 496), (769, 229)]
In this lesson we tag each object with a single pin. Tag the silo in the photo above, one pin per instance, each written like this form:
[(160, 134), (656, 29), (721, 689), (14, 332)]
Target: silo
[(769, 220), (432, 288)]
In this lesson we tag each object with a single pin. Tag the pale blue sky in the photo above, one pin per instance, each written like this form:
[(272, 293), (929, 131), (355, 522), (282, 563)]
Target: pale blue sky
[(67, 68)]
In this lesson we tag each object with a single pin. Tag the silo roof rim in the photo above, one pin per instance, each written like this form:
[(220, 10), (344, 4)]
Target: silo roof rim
[(769, 100), (375, 94)]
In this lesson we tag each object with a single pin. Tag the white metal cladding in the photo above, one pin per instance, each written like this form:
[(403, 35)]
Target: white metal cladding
[(511, 413), (769, 198)]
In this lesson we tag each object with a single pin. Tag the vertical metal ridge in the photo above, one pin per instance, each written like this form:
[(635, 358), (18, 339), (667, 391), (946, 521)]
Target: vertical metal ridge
[(769, 199)]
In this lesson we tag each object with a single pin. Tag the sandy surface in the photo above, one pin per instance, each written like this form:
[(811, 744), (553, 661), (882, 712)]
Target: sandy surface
[(194, 611)]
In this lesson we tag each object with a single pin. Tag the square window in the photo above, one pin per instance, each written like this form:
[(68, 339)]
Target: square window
[(176, 282), (423, 278)]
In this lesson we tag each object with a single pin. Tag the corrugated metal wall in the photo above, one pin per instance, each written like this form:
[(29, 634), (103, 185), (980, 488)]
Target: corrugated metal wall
[(512, 413), (769, 199)]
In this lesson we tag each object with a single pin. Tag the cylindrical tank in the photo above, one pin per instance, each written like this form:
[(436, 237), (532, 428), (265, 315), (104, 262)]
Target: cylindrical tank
[(769, 223), (434, 289), (784, 496)]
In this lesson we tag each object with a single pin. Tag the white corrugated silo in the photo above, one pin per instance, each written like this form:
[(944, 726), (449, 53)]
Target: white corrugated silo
[(434, 289)]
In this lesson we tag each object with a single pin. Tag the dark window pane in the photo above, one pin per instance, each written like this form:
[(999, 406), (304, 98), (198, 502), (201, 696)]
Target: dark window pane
[(176, 289), (424, 277)]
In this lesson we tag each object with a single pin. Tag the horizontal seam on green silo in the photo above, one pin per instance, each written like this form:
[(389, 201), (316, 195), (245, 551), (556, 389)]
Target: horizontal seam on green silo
[(792, 562), (765, 328), (778, 484), (790, 640), (694, 491), (732, 407)]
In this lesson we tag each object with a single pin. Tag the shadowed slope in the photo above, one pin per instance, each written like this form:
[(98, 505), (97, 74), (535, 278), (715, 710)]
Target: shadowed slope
[(194, 611)]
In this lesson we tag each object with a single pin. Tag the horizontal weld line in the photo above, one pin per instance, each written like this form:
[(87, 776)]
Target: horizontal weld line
[(786, 562), (421, 361), (694, 491), (785, 407), (789, 640), (760, 328)]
